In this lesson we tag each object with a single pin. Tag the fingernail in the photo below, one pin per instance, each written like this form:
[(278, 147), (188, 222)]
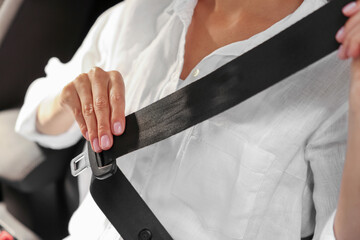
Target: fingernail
[(105, 142), (96, 145), (117, 127), (340, 34), (87, 135), (349, 7)]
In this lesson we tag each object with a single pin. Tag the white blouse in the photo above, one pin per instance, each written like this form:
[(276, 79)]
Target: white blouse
[(269, 168)]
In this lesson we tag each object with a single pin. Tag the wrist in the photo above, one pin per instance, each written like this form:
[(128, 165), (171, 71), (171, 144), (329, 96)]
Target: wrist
[(52, 118)]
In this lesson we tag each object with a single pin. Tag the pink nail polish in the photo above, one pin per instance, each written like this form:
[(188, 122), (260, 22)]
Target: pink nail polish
[(340, 34), (349, 7), (87, 135), (96, 145), (117, 128), (105, 142)]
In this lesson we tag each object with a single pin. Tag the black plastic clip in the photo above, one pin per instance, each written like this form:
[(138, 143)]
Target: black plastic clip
[(95, 161)]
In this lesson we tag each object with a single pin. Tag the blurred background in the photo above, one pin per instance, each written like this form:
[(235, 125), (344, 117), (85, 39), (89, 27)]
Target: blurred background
[(37, 193)]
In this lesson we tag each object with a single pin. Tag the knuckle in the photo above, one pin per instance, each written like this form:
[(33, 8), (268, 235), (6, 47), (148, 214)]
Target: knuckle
[(92, 132), (82, 78), (94, 69), (77, 113), (115, 74), (66, 93), (102, 127), (88, 109), (116, 97), (100, 103), (82, 127), (62, 102), (96, 72), (98, 80)]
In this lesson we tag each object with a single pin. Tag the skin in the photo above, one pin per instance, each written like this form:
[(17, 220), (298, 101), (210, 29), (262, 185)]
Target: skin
[(347, 218), (96, 100), (219, 23)]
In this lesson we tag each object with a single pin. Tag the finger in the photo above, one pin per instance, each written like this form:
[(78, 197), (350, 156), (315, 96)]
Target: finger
[(354, 20), (70, 99), (349, 29), (351, 41), (350, 9), (341, 52), (353, 50), (340, 35), (351, 23), (117, 102), (100, 87), (83, 87)]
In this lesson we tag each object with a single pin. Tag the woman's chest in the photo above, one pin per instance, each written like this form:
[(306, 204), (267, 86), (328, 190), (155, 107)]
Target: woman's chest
[(204, 172)]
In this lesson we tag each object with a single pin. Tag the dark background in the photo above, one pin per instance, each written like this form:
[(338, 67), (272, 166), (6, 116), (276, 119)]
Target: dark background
[(42, 29)]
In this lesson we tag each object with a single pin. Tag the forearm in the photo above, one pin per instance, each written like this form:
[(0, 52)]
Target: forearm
[(52, 118), (347, 219)]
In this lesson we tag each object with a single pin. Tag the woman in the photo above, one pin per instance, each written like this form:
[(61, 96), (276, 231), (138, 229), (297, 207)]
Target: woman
[(269, 168)]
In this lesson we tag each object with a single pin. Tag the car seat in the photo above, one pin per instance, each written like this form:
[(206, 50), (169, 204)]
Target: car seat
[(37, 192)]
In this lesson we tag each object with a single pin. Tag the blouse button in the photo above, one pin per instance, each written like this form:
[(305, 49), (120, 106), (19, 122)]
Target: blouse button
[(145, 234), (196, 72)]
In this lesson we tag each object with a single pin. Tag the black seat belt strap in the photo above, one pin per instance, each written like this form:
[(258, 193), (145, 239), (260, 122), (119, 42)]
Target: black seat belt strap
[(300, 45)]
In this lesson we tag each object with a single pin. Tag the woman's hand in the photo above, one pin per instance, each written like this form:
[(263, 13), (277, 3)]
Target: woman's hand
[(349, 35), (97, 102), (347, 218)]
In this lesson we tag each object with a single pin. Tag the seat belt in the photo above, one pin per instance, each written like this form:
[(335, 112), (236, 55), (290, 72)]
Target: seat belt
[(293, 49)]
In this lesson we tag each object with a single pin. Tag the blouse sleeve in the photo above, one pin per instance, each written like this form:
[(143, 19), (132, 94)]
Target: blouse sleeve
[(325, 152), (91, 53)]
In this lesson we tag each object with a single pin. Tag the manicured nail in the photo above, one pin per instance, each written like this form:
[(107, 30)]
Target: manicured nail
[(87, 135), (340, 34), (96, 145), (105, 142), (117, 128), (349, 7)]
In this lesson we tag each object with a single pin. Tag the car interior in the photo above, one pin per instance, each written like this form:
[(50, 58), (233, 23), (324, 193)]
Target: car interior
[(37, 191)]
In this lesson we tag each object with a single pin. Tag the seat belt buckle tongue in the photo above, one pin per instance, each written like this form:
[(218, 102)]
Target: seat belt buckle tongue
[(95, 161)]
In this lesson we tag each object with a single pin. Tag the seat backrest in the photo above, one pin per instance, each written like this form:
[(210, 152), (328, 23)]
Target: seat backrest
[(41, 29)]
